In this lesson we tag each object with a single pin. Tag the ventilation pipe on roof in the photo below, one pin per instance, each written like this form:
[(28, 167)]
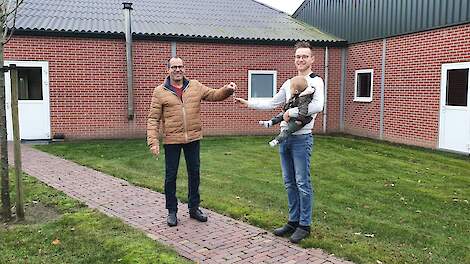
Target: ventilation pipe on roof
[(128, 31)]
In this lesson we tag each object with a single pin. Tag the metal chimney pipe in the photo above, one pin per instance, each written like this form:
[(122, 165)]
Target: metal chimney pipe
[(128, 31)]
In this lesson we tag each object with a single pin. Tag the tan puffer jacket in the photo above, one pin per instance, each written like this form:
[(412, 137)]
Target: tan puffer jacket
[(180, 119)]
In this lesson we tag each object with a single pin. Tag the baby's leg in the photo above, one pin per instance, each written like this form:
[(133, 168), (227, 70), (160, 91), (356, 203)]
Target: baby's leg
[(278, 118), (292, 127)]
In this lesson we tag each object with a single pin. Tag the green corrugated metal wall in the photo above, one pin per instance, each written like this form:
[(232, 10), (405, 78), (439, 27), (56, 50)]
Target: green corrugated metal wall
[(360, 20)]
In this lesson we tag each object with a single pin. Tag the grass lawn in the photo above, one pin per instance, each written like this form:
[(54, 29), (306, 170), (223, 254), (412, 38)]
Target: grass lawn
[(374, 202), (58, 229)]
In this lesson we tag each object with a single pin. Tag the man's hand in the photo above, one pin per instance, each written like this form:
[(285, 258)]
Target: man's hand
[(155, 150), (241, 101), (232, 86), (266, 124), (286, 116)]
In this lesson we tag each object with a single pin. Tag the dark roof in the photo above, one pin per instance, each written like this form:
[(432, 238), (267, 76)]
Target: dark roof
[(207, 19), (366, 20)]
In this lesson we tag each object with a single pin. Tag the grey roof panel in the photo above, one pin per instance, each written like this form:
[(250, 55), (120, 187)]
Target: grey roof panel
[(226, 19)]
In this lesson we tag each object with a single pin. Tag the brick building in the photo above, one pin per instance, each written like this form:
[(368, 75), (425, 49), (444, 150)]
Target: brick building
[(396, 70), (405, 70), (73, 72)]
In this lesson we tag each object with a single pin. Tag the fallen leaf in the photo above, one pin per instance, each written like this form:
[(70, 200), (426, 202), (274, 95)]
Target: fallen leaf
[(56, 242)]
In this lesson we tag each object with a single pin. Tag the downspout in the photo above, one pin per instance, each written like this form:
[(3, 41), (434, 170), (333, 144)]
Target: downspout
[(382, 89), (128, 31), (325, 108), (344, 55)]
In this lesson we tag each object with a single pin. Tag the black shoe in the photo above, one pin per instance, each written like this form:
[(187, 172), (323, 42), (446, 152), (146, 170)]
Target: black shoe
[(298, 235), (172, 220), (198, 215), (284, 230)]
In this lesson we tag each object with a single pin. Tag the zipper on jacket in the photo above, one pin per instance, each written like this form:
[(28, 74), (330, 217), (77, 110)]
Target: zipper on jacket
[(183, 109), (184, 115), (184, 124)]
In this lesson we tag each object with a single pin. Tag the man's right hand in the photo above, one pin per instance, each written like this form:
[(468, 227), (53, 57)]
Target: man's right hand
[(241, 101), (155, 150)]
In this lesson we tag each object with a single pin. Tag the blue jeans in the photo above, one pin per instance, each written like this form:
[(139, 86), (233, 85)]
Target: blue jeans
[(295, 155), (172, 160)]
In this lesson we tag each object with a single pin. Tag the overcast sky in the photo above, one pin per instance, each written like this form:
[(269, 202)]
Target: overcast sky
[(288, 6)]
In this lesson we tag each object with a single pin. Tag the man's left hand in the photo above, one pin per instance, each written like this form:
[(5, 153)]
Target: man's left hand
[(286, 116)]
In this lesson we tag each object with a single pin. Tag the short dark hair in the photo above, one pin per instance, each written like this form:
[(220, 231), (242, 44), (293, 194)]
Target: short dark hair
[(302, 44), (168, 62)]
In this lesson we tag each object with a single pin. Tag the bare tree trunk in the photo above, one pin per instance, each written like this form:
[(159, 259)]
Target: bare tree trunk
[(6, 206)]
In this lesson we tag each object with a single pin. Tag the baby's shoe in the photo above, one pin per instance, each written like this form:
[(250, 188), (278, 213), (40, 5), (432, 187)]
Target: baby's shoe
[(273, 142), (266, 123)]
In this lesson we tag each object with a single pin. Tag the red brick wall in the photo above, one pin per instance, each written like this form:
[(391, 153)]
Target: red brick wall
[(334, 89), (412, 84), (88, 93), (363, 118)]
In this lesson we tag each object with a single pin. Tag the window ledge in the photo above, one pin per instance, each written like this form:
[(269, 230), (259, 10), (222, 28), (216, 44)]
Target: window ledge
[(363, 99), (264, 99)]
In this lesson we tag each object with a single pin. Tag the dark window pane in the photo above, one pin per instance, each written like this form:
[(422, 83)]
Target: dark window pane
[(457, 87), (363, 84), (262, 85), (29, 83)]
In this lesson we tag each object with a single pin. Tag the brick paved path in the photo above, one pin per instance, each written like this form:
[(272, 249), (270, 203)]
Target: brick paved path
[(220, 240)]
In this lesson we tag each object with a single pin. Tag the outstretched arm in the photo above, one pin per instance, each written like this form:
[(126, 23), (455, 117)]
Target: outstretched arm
[(210, 94), (278, 100)]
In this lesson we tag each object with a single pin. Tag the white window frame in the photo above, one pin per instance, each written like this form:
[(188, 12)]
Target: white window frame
[(273, 72), (364, 99)]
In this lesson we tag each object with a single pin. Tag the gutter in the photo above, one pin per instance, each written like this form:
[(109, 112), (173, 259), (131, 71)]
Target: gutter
[(325, 107)]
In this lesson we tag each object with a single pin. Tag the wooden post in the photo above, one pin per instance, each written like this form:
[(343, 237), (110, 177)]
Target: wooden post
[(16, 140)]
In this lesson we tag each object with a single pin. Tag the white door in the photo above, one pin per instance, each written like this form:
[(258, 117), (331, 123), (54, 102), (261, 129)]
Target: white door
[(454, 130), (33, 100)]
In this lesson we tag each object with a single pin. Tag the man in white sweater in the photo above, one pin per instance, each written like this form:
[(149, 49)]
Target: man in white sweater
[(296, 150)]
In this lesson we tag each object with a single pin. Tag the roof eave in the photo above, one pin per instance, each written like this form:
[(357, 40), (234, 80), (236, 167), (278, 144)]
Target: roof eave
[(174, 37)]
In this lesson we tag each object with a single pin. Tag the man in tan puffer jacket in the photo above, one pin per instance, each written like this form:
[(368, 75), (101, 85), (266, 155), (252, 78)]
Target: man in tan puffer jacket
[(176, 107)]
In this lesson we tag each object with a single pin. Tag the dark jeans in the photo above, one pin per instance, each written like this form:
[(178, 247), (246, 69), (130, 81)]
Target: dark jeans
[(172, 161)]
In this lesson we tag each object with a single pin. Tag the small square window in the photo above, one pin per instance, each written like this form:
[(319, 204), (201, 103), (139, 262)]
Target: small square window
[(29, 83), (457, 91), (261, 85), (363, 84)]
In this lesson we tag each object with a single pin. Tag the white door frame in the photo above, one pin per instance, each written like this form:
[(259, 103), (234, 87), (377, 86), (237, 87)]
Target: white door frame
[(44, 65), (443, 107)]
